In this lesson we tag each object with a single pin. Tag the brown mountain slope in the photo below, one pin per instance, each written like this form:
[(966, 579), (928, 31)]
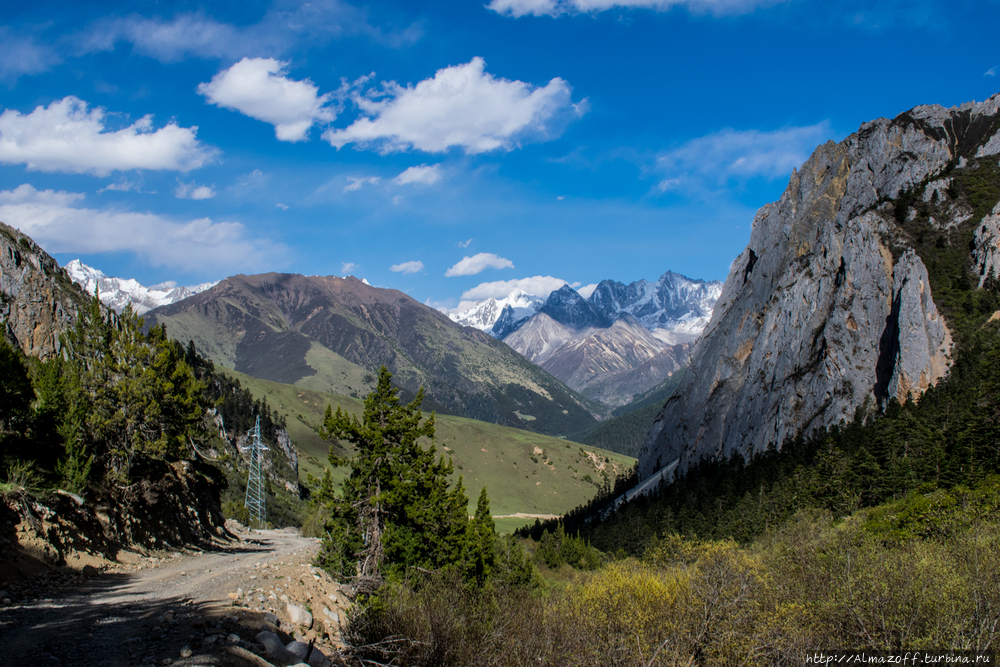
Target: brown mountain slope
[(331, 334)]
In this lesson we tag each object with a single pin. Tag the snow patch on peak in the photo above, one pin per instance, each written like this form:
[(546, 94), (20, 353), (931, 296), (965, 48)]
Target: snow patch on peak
[(484, 314), (116, 293)]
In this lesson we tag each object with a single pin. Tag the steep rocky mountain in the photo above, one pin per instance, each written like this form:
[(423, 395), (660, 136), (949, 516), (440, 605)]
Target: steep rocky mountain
[(331, 334), (830, 307), (38, 301), (116, 293)]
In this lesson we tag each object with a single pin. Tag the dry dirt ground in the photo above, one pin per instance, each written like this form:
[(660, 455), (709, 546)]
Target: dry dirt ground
[(183, 608)]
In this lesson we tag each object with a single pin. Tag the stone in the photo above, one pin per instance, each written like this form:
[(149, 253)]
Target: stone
[(272, 619), (275, 649), (186, 652), (301, 649), (89, 571), (299, 616), (233, 638)]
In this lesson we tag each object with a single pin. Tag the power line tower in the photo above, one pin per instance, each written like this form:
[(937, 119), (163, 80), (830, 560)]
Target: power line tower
[(255, 483)]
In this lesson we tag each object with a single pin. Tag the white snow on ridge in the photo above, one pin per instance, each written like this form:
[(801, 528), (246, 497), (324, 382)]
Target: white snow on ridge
[(483, 314), (116, 293)]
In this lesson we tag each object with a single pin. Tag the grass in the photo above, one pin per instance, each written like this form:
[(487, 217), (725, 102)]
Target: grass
[(497, 457)]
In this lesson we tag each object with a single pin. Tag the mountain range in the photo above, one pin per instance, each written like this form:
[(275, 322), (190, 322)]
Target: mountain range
[(621, 341), (116, 293), (332, 334)]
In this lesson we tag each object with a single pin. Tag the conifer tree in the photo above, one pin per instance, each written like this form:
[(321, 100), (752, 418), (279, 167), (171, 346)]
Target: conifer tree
[(396, 509)]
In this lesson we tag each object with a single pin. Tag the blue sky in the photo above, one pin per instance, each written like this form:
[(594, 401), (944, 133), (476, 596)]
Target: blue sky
[(451, 150)]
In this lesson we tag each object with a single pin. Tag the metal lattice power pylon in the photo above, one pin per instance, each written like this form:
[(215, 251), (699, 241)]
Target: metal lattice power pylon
[(255, 483)]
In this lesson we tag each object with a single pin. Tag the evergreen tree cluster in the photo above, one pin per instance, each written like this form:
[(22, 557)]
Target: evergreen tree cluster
[(113, 400), (397, 512)]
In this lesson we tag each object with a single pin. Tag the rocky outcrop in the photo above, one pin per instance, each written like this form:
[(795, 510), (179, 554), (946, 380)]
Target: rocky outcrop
[(826, 309), (38, 301)]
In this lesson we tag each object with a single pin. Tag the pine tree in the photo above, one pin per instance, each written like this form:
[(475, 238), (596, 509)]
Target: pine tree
[(396, 509)]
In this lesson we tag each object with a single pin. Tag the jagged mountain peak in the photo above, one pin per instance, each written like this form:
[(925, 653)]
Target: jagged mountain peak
[(116, 293), (567, 307)]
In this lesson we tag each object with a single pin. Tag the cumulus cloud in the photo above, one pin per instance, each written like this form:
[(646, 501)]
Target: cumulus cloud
[(518, 8), (464, 244), (459, 106), (470, 266), (258, 87), (586, 290), (66, 137), (407, 267), (358, 182), (537, 285), (348, 267), (732, 154), (56, 220), (422, 175)]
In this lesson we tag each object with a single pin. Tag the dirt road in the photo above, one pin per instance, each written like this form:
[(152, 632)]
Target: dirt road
[(151, 611)]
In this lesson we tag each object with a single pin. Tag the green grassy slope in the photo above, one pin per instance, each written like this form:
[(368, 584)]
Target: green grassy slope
[(524, 472)]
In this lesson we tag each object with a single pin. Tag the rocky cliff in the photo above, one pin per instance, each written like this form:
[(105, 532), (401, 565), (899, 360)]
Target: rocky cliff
[(830, 306), (38, 301)]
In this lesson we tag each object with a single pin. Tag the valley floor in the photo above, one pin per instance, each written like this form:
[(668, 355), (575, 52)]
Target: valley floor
[(149, 611)]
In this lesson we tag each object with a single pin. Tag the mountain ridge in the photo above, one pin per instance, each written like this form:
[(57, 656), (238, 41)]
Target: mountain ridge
[(332, 334), (829, 307)]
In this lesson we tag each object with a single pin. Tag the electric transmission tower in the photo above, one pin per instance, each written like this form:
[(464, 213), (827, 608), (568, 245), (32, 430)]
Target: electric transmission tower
[(255, 483)]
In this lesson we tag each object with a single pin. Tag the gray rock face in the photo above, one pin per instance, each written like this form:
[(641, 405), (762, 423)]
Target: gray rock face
[(38, 301), (986, 252), (816, 316)]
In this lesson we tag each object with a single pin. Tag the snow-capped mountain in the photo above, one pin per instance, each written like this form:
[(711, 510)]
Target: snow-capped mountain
[(622, 341), (675, 308), (483, 315), (116, 293)]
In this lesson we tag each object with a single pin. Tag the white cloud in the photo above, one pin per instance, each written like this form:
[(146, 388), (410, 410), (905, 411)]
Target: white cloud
[(123, 185), (731, 154), (464, 244), (283, 29), (56, 221), (586, 290), (407, 267), (348, 267), (518, 8), (23, 55), (66, 137), (257, 87), (470, 266), (283, 207), (537, 285), (460, 106), (423, 174), (193, 191), (358, 182), (990, 72)]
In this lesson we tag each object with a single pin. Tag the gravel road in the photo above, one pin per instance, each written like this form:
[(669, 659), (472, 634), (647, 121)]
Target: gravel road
[(147, 612)]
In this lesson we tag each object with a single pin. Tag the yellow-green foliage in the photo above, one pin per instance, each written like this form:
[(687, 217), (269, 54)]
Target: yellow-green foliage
[(629, 608), (882, 579)]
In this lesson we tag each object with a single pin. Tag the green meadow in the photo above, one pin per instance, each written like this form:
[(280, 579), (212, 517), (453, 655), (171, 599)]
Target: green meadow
[(523, 472)]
